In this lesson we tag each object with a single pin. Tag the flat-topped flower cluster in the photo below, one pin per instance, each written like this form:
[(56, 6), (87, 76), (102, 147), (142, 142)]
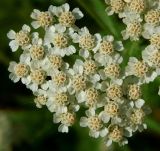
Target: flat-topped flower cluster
[(68, 68)]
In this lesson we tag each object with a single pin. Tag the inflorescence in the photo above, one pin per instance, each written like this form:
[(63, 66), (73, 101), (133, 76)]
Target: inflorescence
[(68, 68)]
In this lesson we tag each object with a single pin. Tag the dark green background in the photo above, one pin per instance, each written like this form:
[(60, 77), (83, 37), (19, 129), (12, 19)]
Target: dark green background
[(23, 127)]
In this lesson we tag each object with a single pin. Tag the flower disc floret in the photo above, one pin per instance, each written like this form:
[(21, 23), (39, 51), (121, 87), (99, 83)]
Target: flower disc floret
[(106, 47), (111, 108), (134, 92), (37, 52), (45, 19), (137, 116), (60, 78), (87, 41), (155, 40), (21, 70), (68, 118), (137, 6), (89, 67), (115, 133), (112, 70), (56, 61), (153, 17), (22, 38), (117, 5), (38, 76), (92, 97), (60, 41), (94, 123), (61, 98), (114, 92), (67, 19), (141, 69), (79, 83)]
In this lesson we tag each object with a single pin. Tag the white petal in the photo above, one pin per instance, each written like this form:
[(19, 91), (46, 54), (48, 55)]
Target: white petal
[(94, 134), (90, 112), (49, 35), (77, 13), (109, 11), (56, 119), (59, 28), (11, 34), (45, 86), (110, 38), (105, 118), (108, 143), (14, 45), (104, 132), (12, 65), (14, 78), (25, 81), (33, 87), (63, 128), (26, 28), (66, 7), (35, 13), (53, 9), (84, 53), (118, 46), (35, 24), (81, 97), (139, 103), (83, 122), (128, 132), (70, 50), (75, 37)]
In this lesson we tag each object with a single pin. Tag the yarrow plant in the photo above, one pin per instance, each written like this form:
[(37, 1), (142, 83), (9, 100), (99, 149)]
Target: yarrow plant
[(69, 68)]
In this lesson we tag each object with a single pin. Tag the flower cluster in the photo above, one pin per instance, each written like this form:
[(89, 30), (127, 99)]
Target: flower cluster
[(142, 20), (69, 68)]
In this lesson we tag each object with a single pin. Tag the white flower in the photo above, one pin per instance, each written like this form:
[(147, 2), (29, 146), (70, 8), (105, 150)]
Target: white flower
[(116, 134), (36, 79), (114, 90), (66, 119), (94, 123), (111, 65), (91, 98), (141, 70), (60, 38), (88, 69), (22, 38), (151, 55), (153, 34), (19, 70), (152, 17), (57, 101), (36, 51), (136, 113), (108, 45), (42, 19), (115, 6), (87, 42), (60, 80), (137, 6), (112, 111), (65, 16), (38, 73), (134, 27), (41, 98)]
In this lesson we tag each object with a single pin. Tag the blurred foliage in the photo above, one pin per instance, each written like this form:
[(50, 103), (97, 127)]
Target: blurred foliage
[(25, 128)]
